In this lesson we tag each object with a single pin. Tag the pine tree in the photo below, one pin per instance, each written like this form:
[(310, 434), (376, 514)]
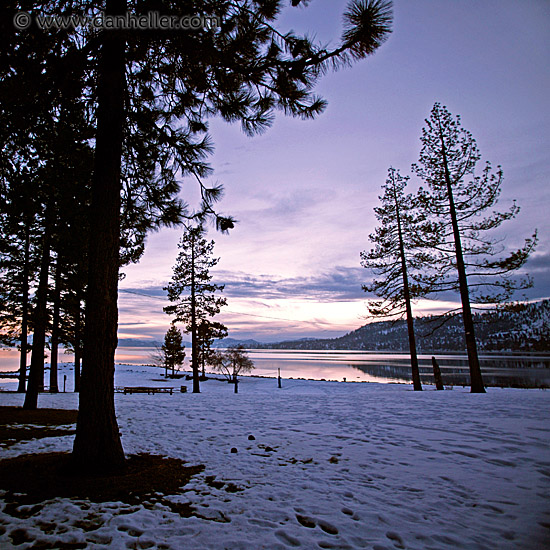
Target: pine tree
[(150, 95), (398, 258), (456, 198), (207, 332), (172, 349), (45, 131), (242, 71), (18, 267), (192, 290), (26, 99)]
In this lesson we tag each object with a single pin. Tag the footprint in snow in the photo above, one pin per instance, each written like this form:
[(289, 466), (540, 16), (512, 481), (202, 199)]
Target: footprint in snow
[(306, 521), (311, 523), (350, 513), (287, 539), (396, 539), (327, 527), (132, 531)]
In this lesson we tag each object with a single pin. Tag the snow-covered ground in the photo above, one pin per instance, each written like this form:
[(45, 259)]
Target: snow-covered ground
[(351, 465)]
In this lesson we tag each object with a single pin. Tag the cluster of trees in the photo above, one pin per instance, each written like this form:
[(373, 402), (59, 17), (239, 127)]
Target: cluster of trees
[(45, 175), (436, 240), (98, 128)]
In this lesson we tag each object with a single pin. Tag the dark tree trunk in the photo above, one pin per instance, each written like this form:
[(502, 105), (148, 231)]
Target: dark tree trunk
[(97, 446), (25, 313), (476, 380), (194, 342), (77, 356), (55, 328), (77, 345), (437, 374), (417, 386), (36, 370)]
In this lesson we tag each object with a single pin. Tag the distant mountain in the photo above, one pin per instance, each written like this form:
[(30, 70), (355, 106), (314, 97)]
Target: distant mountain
[(228, 342), (148, 343), (135, 343), (525, 328)]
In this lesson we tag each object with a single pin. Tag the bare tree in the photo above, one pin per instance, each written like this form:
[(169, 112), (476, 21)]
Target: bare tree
[(231, 363)]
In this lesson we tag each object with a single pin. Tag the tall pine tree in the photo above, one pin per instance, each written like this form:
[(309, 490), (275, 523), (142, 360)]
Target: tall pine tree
[(192, 290), (399, 257), (150, 94), (457, 198)]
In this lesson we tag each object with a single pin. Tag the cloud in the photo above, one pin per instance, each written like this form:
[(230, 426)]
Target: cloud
[(339, 284), (538, 267)]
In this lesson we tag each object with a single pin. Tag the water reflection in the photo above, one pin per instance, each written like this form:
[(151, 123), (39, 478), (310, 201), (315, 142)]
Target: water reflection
[(359, 366), (498, 371)]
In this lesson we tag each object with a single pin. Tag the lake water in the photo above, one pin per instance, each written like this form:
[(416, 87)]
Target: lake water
[(359, 366)]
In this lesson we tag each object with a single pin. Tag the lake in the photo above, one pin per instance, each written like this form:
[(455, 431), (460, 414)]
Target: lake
[(498, 369)]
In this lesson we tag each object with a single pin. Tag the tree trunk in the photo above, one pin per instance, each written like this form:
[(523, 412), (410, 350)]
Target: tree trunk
[(417, 386), (55, 328), (194, 342), (24, 313), (77, 345), (97, 446), (77, 356), (36, 370), (437, 375), (476, 380)]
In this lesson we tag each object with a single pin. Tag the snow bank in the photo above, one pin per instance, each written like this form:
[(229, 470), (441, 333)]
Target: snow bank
[(332, 465)]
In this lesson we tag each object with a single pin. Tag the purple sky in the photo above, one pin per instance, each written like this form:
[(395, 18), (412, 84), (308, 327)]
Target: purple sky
[(304, 192)]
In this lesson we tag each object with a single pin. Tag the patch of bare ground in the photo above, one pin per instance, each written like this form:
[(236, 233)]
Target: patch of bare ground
[(14, 424), (32, 479), (29, 480)]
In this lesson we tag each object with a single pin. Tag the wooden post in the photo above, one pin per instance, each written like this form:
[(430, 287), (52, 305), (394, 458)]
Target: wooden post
[(437, 375), (279, 378), (64, 382), (236, 385)]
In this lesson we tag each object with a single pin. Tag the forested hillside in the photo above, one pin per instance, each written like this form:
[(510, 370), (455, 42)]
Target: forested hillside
[(525, 328)]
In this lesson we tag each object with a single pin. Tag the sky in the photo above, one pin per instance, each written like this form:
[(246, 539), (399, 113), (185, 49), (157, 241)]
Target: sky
[(304, 191)]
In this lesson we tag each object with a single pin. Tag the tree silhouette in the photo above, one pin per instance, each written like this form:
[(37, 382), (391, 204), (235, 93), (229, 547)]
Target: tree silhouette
[(207, 332), (456, 198), (192, 290), (232, 362), (173, 350), (398, 258), (150, 94)]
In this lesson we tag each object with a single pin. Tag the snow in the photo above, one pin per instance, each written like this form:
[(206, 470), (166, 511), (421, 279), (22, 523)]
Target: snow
[(351, 465)]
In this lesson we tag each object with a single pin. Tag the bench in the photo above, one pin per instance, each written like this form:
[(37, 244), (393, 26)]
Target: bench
[(142, 389)]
